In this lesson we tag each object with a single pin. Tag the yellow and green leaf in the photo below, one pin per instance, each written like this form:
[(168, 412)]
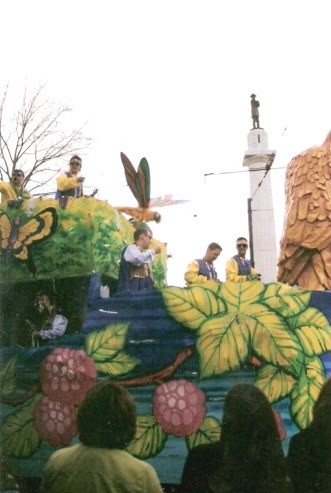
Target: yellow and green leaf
[(192, 306), (103, 345), (210, 431), (306, 391), (274, 382), (8, 378), (222, 345), (238, 296), (18, 434), (273, 342), (313, 331), (149, 439), (285, 300), (121, 364)]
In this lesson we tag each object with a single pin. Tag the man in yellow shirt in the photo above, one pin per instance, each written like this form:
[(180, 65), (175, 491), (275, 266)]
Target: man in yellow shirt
[(69, 184), (238, 268), (202, 270), (13, 193)]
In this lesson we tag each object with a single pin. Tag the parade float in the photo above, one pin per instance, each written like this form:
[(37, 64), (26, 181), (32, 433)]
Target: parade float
[(177, 350)]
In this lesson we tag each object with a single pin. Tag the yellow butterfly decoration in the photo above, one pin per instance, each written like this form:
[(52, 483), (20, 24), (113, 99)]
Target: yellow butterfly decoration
[(16, 238)]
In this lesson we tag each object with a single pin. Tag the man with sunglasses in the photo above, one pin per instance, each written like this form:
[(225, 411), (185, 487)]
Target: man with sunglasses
[(238, 268), (13, 193), (69, 184)]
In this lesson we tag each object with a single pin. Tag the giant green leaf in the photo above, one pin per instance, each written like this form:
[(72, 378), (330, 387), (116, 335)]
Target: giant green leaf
[(313, 331), (222, 345), (18, 435), (274, 382), (103, 345), (121, 364), (149, 439), (238, 296), (285, 300), (192, 306), (306, 391), (8, 378), (273, 342), (210, 431)]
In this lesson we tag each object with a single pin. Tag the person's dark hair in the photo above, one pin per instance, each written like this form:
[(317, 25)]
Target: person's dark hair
[(140, 231), (251, 450), (241, 238), (50, 295), (214, 246), (57, 307), (321, 423), (75, 157), (18, 172), (322, 406), (107, 417)]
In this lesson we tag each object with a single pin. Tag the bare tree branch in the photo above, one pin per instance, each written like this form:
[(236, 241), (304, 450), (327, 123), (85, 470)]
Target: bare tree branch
[(35, 139)]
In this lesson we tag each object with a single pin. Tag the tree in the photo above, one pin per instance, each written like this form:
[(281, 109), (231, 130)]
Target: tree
[(32, 139)]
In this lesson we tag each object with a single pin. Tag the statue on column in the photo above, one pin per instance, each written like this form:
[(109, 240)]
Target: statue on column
[(255, 111)]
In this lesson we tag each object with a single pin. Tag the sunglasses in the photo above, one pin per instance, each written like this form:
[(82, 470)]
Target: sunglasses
[(242, 245), (17, 174), (75, 163)]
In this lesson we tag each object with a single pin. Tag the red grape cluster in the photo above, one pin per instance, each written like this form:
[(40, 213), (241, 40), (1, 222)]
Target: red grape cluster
[(179, 407)]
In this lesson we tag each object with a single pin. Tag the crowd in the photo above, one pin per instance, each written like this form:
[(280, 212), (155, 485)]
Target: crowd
[(247, 458)]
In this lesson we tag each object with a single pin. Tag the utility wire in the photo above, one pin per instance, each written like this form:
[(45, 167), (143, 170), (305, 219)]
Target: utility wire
[(243, 171), (267, 169)]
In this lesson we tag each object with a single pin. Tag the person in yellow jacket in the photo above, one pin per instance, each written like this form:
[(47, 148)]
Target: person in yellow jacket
[(202, 270), (238, 268), (69, 184), (13, 193)]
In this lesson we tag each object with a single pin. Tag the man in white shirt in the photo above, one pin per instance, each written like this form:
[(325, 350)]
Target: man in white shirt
[(135, 272), (54, 325)]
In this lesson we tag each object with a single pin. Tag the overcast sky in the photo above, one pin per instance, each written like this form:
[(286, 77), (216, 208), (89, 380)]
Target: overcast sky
[(171, 81)]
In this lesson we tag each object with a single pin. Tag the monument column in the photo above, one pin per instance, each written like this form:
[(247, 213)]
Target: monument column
[(258, 158)]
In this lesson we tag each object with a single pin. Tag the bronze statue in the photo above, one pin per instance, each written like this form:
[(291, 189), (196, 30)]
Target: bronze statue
[(255, 111), (305, 249)]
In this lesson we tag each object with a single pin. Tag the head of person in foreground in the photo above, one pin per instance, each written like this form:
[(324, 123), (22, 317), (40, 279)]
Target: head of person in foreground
[(107, 417), (251, 450)]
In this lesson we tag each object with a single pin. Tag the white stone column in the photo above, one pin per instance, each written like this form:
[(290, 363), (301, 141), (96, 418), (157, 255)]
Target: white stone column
[(258, 158)]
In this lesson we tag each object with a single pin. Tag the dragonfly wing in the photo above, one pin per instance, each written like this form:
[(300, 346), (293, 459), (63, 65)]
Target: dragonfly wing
[(144, 178), (132, 179), (165, 200)]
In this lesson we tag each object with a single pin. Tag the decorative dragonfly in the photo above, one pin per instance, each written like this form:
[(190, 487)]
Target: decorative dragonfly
[(139, 183)]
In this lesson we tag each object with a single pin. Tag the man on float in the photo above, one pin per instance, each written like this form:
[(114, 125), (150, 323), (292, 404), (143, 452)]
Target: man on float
[(238, 268), (135, 270), (199, 271), (13, 193), (69, 184)]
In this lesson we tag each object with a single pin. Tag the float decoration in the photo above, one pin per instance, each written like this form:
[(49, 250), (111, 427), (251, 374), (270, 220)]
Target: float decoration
[(305, 249), (232, 324), (87, 236), (273, 323)]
